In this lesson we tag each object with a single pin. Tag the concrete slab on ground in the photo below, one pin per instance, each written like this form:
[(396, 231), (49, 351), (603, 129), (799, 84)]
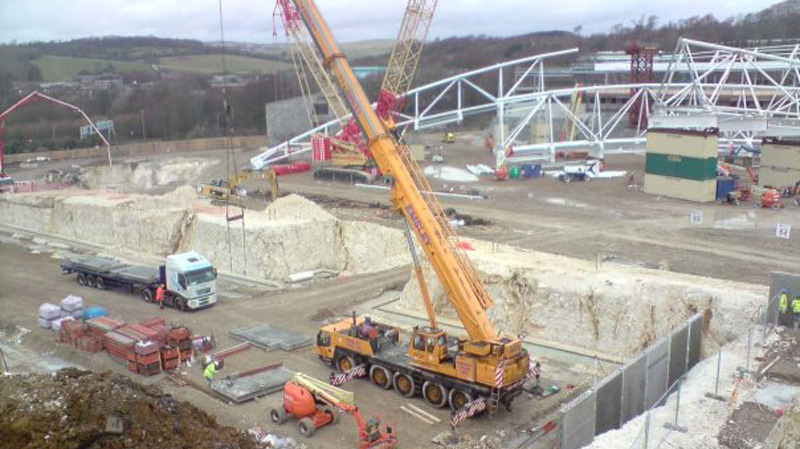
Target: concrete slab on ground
[(243, 389), (269, 337)]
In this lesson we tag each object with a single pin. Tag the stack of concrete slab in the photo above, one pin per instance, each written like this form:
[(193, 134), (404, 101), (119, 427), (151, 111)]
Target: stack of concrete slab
[(246, 386), (270, 338)]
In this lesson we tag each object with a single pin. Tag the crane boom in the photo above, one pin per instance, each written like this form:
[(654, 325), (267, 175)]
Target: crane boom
[(461, 285)]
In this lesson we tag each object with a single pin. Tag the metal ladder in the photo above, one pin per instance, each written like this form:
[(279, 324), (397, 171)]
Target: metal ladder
[(494, 401)]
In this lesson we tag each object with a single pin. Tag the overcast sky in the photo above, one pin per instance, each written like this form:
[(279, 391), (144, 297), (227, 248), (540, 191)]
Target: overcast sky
[(29, 20)]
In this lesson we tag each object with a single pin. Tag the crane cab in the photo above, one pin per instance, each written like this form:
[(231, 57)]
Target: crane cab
[(428, 346)]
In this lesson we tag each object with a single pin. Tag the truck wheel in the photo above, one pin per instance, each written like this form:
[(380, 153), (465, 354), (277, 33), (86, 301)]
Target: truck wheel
[(330, 411), (345, 363), (435, 394), (81, 279), (99, 283), (180, 304), (380, 376), (147, 295), (458, 399), (278, 415), (404, 384), (307, 427)]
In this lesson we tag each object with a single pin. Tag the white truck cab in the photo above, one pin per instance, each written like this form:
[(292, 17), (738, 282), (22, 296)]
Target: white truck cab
[(192, 277)]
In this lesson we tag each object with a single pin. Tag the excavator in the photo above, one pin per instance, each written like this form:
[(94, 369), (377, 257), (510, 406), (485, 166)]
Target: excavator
[(445, 369), (315, 403), (231, 189)]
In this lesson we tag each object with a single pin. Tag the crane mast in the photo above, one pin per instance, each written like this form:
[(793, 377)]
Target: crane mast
[(405, 56), (461, 284)]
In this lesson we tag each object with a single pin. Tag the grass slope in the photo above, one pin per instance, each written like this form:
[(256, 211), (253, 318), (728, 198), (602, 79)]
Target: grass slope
[(213, 64), (64, 68)]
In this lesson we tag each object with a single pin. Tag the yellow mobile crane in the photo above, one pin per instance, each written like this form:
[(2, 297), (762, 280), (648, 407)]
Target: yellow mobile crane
[(444, 369)]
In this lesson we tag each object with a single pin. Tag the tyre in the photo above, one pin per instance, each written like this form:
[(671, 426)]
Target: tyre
[(89, 280), (345, 363), (278, 415), (99, 283), (458, 399), (180, 304), (381, 377), (404, 384), (435, 394), (81, 279), (307, 427), (333, 413), (147, 295)]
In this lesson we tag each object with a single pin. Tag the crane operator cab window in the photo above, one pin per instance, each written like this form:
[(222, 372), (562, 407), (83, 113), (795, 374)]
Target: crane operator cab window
[(431, 344), (419, 342), (323, 338)]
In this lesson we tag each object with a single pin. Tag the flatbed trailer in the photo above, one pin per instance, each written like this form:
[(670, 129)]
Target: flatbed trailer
[(103, 273), (388, 366)]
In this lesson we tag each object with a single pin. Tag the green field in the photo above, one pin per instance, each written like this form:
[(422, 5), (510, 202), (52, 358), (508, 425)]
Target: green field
[(65, 68), (213, 64)]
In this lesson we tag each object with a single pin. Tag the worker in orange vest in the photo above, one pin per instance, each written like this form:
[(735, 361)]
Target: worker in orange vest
[(160, 295)]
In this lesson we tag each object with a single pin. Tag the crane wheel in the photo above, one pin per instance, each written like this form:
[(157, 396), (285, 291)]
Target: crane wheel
[(147, 295), (404, 384), (435, 394), (458, 399), (380, 376), (307, 427), (330, 411), (81, 279), (99, 283), (345, 363), (278, 415)]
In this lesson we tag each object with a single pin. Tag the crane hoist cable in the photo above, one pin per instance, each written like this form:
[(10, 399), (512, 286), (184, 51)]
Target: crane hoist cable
[(228, 112)]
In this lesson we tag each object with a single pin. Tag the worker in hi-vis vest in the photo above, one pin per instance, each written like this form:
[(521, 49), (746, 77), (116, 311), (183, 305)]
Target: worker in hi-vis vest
[(783, 303), (796, 310), (210, 372)]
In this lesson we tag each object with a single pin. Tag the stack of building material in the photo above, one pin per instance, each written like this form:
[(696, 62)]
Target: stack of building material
[(73, 306), (120, 347), (682, 164), (780, 163), (89, 343), (58, 323), (170, 358), (159, 326), (148, 358), (100, 326), (94, 312), (71, 331), (180, 337), (47, 313)]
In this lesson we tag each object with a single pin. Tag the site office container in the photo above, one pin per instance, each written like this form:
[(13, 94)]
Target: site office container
[(685, 189), (681, 142), (780, 153)]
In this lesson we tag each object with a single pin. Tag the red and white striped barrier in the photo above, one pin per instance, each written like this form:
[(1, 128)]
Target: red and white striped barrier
[(469, 410), (500, 374), (338, 379)]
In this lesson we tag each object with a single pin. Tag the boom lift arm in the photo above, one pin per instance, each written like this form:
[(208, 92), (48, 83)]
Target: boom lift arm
[(461, 284)]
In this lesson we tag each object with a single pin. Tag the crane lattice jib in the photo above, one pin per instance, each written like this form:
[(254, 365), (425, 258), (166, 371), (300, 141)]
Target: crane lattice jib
[(405, 56), (461, 284), (303, 44)]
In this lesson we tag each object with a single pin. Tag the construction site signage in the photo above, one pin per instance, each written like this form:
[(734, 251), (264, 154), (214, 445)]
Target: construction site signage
[(783, 231)]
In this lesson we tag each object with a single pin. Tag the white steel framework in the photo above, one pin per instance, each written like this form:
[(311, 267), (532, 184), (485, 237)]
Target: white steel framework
[(747, 93)]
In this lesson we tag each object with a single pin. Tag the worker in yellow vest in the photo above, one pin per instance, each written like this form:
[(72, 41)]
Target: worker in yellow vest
[(796, 310), (783, 303), (210, 372)]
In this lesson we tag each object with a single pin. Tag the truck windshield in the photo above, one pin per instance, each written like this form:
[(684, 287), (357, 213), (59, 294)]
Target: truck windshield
[(6, 181), (201, 276)]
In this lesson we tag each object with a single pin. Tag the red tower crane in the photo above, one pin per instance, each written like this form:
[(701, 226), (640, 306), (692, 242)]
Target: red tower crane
[(641, 72)]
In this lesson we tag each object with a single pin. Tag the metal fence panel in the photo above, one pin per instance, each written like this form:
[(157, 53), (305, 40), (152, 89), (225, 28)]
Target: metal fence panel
[(782, 281), (695, 340), (577, 422), (633, 383), (657, 371), (678, 352), (609, 404)]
